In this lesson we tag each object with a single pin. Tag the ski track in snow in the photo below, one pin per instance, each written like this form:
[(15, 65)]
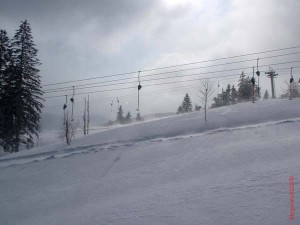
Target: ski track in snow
[(74, 151)]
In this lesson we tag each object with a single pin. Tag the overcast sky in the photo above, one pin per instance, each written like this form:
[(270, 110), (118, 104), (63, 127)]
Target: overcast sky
[(83, 39)]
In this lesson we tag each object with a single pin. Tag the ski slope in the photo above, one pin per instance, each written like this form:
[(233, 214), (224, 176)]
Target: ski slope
[(234, 169)]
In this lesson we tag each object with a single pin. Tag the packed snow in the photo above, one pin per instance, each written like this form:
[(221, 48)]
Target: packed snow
[(234, 169)]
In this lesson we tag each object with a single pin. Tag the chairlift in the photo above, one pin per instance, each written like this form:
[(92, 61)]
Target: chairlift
[(72, 100), (139, 88), (291, 81), (64, 108)]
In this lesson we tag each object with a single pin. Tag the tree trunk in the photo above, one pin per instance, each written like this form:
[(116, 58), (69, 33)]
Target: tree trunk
[(205, 112), (17, 142)]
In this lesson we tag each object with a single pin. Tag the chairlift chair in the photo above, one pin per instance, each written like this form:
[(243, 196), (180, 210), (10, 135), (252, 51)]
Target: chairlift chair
[(139, 88)]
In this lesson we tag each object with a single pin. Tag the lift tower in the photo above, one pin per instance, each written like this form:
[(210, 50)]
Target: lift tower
[(272, 75)]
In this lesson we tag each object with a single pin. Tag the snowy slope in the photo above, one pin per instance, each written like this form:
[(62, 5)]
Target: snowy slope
[(179, 170)]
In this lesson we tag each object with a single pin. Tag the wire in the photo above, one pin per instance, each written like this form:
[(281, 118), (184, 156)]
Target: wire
[(230, 57), (172, 66), (182, 70), (186, 86), (129, 82), (173, 89), (144, 94), (156, 92), (287, 68), (117, 89), (170, 77)]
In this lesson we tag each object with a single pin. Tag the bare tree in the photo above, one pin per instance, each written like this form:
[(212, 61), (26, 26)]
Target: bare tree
[(205, 92), (84, 118), (66, 129), (292, 90)]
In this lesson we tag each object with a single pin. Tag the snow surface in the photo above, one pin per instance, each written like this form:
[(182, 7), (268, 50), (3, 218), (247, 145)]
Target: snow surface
[(179, 170)]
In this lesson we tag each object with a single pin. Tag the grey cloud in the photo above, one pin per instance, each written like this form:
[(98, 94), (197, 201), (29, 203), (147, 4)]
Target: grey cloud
[(71, 20), (111, 14)]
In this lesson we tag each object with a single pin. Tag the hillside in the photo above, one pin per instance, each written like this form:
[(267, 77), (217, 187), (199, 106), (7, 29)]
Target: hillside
[(177, 170)]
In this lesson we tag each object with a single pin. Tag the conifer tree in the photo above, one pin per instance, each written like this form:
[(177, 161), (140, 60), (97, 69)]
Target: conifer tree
[(179, 110), (128, 118), (120, 117), (244, 88), (5, 57), (234, 95), (5, 54), (23, 94), (266, 95), (187, 104), (8, 110), (227, 95), (197, 107), (138, 117), (217, 101), (221, 97), (292, 89)]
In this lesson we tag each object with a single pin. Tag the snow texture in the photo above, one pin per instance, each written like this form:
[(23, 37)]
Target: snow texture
[(179, 170)]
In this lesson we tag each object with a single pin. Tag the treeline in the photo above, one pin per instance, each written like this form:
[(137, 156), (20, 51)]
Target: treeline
[(121, 119), (231, 95), (20, 89), (292, 90), (242, 94), (246, 90), (227, 97), (186, 105)]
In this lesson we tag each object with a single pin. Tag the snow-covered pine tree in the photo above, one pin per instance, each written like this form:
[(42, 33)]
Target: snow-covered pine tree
[(5, 55), (244, 88), (197, 107), (23, 97), (227, 95), (138, 117), (8, 108), (120, 117), (294, 88), (128, 118), (187, 104), (179, 110), (217, 101), (222, 98), (234, 95)]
